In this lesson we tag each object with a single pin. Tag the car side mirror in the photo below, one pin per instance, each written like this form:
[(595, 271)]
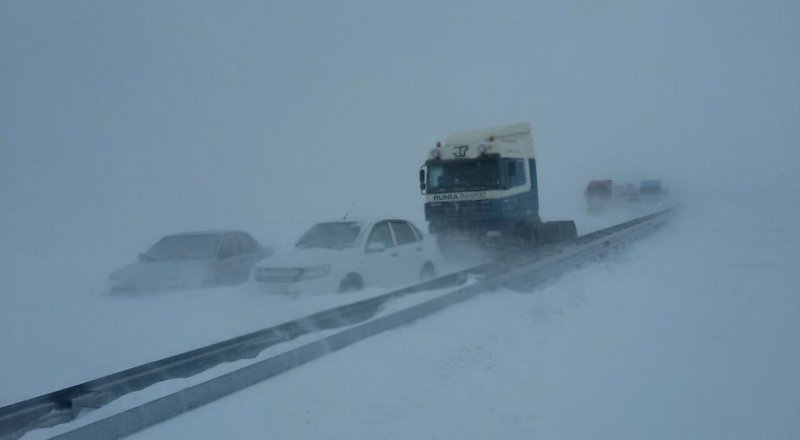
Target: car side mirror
[(376, 246)]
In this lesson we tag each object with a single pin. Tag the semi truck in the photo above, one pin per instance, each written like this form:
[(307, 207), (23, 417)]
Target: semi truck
[(602, 195), (652, 191), (481, 188), (599, 195)]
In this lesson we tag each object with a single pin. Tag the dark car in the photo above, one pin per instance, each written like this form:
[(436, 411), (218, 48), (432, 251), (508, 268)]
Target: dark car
[(193, 259)]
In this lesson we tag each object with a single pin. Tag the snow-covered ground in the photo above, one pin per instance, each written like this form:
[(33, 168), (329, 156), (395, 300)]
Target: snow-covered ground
[(123, 122), (690, 333), (68, 315)]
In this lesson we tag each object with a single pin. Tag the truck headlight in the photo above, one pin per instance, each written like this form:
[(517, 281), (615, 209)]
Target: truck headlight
[(315, 271)]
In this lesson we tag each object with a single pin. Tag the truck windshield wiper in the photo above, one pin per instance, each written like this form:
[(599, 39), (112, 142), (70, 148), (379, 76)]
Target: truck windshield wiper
[(470, 188)]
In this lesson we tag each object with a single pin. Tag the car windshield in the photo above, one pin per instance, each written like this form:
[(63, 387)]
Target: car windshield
[(179, 247), (333, 235), (463, 175)]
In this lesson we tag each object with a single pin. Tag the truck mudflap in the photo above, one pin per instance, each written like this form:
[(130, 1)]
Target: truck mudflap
[(558, 231)]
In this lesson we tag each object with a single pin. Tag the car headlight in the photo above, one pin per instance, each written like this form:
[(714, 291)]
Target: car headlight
[(315, 271)]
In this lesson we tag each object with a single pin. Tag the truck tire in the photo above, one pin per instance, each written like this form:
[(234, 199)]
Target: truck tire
[(523, 235), (561, 231)]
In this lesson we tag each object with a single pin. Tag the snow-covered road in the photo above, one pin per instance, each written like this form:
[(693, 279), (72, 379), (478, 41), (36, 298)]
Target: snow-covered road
[(61, 327), (691, 333)]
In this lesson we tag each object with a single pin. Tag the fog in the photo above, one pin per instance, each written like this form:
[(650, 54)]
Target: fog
[(121, 122), (146, 118)]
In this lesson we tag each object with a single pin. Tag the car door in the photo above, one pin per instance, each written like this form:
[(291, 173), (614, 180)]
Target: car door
[(408, 250), (380, 266), (426, 249)]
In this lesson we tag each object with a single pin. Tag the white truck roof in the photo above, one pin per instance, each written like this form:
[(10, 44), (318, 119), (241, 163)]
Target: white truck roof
[(468, 137), (508, 141)]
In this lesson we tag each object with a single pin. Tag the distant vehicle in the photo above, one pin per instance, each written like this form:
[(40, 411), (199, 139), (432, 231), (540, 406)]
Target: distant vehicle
[(598, 194), (652, 190), (348, 255), (627, 192), (192, 259), (609, 194), (481, 188)]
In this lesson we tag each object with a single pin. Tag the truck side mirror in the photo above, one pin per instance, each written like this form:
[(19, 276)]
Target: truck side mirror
[(422, 185)]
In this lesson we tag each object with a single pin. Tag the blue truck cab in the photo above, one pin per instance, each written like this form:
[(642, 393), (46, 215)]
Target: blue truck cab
[(481, 185)]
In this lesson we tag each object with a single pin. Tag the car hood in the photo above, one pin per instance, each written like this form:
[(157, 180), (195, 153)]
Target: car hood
[(167, 272), (305, 257)]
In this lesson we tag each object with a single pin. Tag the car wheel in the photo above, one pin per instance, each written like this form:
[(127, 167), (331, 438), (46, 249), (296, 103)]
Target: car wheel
[(427, 272), (351, 283)]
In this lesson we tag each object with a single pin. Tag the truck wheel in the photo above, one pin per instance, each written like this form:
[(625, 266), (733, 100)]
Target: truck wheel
[(351, 283), (566, 230), (522, 236)]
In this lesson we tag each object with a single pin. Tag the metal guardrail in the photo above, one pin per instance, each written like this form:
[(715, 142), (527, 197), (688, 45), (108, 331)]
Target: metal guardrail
[(64, 405), (586, 248), (519, 272)]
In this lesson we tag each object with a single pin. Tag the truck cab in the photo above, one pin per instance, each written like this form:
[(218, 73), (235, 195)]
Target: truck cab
[(481, 185)]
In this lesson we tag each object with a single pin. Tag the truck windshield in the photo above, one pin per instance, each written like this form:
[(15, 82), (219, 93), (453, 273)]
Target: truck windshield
[(463, 175), (332, 235)]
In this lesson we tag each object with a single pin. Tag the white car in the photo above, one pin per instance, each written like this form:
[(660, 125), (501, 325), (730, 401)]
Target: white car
[(192, 259), (348, 255)]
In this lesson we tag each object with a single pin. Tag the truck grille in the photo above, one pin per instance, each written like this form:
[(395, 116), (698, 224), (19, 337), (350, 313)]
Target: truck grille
[(477, 208)]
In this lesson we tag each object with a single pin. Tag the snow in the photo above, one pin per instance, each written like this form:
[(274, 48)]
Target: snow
[(122, 123), (93, 332), (167, 387), (690, 332), (124, 331), (686, 334)]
